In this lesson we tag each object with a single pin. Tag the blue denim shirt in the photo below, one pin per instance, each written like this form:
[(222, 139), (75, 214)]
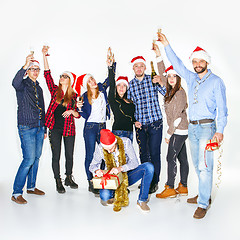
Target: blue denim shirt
[(207, 96)]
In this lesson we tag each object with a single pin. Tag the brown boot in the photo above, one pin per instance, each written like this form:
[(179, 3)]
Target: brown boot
[(181, 190), (194, 200), (167, 193), (19, 199), (200, 213)]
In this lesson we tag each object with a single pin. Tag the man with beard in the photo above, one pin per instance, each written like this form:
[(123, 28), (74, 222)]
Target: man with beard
[(207, 99), (144, 94)]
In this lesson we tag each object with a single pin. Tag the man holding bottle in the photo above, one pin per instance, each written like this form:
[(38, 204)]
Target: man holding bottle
[(148, 113)]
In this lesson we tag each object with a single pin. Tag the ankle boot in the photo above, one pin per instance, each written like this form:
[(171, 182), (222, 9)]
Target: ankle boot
[(69, 182), (59, 186), (91, 189)]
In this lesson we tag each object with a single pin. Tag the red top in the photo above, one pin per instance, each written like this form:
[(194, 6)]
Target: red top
[(69, 124)]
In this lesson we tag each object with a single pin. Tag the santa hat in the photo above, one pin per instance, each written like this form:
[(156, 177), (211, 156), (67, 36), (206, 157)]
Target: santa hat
[(32, 63), (82, 80), (122, 79), (107, 138), (71, 75), (200, 54), (170, 70), (138, 59)]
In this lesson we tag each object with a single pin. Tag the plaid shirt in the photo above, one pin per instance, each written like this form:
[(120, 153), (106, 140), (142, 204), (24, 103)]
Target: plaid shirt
[(69, 125), (145, 97)]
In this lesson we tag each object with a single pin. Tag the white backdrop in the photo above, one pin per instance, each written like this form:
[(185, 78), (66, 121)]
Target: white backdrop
[(79, 33)]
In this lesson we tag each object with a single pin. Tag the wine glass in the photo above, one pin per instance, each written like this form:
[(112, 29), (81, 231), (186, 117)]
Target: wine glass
[(31, 50)]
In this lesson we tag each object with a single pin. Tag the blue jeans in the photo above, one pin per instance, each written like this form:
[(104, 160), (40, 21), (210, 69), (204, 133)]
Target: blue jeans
[(149, 139), (31, 144), (145, 172), (198, 135), (91, 134), (122, 133)]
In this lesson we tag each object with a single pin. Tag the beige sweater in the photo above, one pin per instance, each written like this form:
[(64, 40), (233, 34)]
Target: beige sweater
[(176, 109)]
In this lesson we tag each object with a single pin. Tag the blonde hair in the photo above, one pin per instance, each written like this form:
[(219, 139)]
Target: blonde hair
[(90, 94)]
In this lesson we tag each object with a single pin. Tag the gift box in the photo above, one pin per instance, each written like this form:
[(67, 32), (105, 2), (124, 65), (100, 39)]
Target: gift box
[(107, 181), (212, 145)]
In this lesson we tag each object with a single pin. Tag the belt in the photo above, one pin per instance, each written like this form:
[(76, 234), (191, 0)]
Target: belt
[(201, 121)]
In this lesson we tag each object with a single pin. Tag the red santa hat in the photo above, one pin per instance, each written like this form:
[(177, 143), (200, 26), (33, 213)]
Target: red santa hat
[(170, 70), (122, 79), (138, 59), (32, 63), (71, 75), (107, 138), (82, 80), (200, 54)]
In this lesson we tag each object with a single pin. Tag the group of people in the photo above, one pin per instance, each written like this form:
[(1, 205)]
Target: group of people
[(133, 104)]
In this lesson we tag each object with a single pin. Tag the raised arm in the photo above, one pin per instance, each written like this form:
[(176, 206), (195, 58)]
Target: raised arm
[(17, 81), (177, 64), (47, 74)]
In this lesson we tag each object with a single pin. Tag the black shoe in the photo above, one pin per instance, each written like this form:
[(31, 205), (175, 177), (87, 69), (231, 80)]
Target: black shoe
[(69, 182), (91, 189), (59, 186), (153, 188)]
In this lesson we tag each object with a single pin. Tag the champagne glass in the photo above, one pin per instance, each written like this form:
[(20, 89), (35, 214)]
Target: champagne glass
[(158, 33), (47, 46), (31, 50), (153, 44)]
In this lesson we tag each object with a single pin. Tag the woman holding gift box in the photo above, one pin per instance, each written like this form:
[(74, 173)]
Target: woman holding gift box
[(123, 109), (175, 103), (119, 156), (95, 109), (60, 121)]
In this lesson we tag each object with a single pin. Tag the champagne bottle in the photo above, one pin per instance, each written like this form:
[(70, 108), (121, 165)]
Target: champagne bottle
[(153, 73)]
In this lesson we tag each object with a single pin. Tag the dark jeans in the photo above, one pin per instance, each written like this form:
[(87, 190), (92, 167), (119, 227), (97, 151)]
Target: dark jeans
[(144, 172), (149, 139), (55, 137), (177, 150), (91, 134), (122, 133), (31, 144)]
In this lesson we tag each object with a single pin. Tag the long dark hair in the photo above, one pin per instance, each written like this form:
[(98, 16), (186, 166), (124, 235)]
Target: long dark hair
[(124, 96), (171, 91)]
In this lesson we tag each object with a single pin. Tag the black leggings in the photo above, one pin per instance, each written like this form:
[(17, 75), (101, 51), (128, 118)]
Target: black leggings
[(55, 137), (177, 150)]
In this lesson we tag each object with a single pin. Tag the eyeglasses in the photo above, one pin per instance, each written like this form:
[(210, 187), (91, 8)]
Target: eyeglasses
[(64, 76), (34, 69)]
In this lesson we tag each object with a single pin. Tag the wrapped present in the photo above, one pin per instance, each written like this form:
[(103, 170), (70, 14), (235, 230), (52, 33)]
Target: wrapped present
[(212, 145), (107, 181)]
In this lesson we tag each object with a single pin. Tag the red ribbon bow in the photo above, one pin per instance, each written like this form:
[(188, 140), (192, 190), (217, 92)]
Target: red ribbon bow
[(106, 177), (211, 146)]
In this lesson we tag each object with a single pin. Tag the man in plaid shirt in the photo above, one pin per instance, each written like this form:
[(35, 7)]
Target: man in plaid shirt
[(149, 132)]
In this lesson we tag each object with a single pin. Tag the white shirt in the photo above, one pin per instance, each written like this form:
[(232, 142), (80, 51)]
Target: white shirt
[(98, 113)]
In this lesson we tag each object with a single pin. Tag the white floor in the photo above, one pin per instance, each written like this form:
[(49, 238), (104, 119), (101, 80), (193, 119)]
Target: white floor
[(77, 213)]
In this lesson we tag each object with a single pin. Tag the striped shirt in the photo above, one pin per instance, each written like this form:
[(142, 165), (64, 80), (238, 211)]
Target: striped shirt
[(145, 97)]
